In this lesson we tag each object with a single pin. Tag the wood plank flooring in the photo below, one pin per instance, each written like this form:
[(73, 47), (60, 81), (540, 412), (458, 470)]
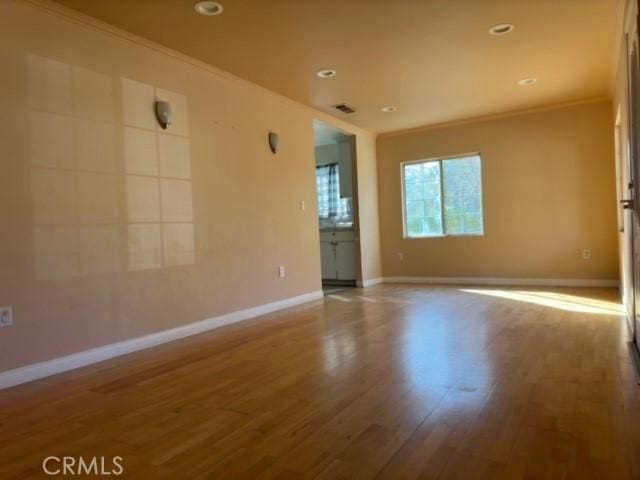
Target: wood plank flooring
[(391, 382)]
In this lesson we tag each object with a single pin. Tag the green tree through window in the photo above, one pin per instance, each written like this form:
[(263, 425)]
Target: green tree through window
[(443, 197)]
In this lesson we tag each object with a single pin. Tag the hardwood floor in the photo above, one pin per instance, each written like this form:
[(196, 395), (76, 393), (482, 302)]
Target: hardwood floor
[(391, 382)]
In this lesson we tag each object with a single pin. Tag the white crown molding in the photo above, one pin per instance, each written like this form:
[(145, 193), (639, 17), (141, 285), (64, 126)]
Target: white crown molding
[(495, 116), (531, 282), (53, 8), (47, 368)]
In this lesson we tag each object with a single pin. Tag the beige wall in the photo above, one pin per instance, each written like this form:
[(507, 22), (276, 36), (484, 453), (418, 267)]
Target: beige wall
[(368, 209), (549, 192), (113, 228)]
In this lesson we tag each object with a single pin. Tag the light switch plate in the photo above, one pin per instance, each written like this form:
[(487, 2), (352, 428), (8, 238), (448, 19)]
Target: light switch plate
[(6, 316)]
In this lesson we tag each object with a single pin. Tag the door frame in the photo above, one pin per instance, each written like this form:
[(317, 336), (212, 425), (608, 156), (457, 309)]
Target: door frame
[(624, 221), (631, 260)]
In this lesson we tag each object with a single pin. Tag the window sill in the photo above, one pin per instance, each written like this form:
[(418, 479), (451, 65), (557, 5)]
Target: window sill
[(422, 237)]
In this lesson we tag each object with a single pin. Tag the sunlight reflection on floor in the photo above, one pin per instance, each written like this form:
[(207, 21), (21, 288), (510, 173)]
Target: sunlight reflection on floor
[(368, 299), (561, 301)]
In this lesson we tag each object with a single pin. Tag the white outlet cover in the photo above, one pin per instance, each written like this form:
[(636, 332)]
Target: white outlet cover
[(282, 272), (6, 316)]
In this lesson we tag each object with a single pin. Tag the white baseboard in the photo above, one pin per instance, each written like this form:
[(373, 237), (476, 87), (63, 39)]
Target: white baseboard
[(369, 282), (35, 371), (531, 282)]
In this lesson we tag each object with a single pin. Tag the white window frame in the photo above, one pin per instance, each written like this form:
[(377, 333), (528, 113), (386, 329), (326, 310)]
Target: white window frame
[(405, 234)]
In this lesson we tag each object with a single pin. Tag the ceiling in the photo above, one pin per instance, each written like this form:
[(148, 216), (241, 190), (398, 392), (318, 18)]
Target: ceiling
[(433, 59)]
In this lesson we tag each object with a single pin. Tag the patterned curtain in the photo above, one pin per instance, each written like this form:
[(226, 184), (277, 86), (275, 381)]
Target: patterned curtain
[(328, 183)]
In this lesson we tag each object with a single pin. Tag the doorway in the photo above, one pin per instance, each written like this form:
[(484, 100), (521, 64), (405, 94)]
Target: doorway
[(337, 206)]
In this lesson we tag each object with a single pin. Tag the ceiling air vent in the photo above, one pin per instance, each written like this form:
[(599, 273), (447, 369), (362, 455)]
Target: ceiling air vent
[(344, 108)]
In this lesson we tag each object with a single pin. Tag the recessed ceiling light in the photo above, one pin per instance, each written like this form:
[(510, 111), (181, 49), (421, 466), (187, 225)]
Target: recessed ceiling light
[(501, 29), (390, 108), (326, 73), (208, 8), (525, 82)]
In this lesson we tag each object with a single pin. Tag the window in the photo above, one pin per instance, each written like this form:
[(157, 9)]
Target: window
[(332, 209), (443, 197)]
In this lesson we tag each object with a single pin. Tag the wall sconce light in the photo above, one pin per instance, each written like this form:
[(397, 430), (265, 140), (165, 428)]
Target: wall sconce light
[(163, 113), (274, 142)]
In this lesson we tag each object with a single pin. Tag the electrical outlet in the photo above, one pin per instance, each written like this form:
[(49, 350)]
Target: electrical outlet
[(6, 316), (282, 272), (302, 206), (586, 254), (401, 256)]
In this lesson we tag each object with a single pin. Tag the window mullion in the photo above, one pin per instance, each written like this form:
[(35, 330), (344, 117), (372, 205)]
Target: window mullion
[(444, 232)]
